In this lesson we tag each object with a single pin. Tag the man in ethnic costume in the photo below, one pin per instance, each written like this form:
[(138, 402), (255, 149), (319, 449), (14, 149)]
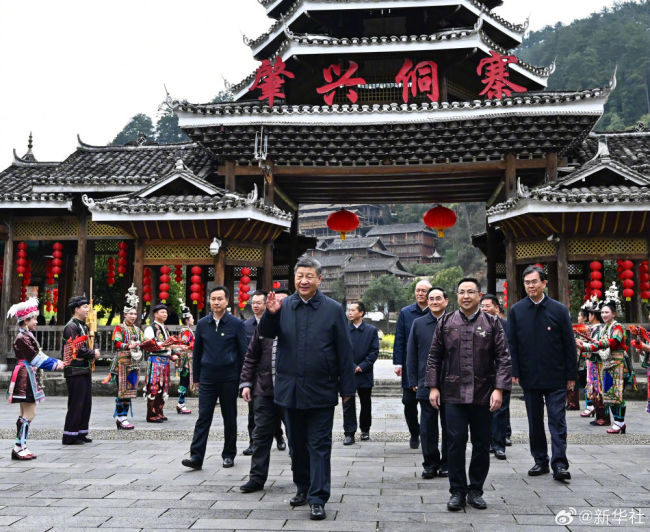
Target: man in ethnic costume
[(184, 367), (24, 387), (126, 364), (158, 376), (78, 375)]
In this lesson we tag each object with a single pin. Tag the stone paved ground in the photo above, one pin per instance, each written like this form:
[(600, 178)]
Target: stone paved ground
[(134, 481)]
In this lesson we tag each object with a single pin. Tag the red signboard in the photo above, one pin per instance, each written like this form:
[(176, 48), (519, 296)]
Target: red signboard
[(496, 76), (269, 79)]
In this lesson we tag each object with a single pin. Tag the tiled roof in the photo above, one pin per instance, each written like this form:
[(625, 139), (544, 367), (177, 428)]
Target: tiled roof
[(16, 182), (630, 148), (354, 243), (392, 229), (98, 166), (332, 261), (372, 264)]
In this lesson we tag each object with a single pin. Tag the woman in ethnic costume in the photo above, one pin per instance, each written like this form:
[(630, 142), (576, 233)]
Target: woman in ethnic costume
[(609, 347), (23, 387), (184, 368), (126, 364), (640, 345)]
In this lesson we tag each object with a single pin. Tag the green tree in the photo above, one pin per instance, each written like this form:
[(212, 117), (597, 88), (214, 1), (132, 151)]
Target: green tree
[(167, 130), (386, 291), (140, 124)]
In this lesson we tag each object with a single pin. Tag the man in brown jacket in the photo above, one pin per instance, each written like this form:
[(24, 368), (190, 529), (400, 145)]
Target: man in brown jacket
[(468, 369)]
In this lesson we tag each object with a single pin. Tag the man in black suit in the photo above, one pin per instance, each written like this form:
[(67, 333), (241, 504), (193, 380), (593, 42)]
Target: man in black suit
[(365, 350), (501, 417), (219, 350), (314, 361), (417, 353), (258, 306), (544, 361)]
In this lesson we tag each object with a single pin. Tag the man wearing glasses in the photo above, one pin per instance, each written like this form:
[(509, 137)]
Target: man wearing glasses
[(468, 369), (417, 352), (542, 345)]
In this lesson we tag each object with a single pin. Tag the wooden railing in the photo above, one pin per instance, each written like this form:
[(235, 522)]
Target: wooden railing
[(50, 337)]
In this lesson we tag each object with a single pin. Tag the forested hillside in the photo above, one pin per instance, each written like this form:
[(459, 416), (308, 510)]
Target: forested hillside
[(588, 50)]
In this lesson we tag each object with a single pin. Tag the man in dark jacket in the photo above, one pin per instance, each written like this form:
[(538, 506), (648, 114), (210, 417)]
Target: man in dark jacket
[(501, 417), (365, 350), (218, 356), (314, 361), (468, 369), (258, 306), (257, 378), (404, 322), (544, 361), (417, 353)]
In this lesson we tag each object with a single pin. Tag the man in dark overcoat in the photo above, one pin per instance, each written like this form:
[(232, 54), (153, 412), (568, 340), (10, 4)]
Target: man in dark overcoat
[(365, 350), (468, 369), (417, 353), (218, 356), (544, 362), (314, 361)]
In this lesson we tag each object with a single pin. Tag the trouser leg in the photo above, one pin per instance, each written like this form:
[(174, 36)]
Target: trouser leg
[(208, 394), (457, 421), (279, 416), (228, 404), (319, 447), (429, 435), (410, 402), (479, 426), (251, 419), (444, 438), (75, 415), (265, 423), (535, 410), (499, 425), (349, 416), (183, 385), (297, 434), (365, 414), (556, 416)]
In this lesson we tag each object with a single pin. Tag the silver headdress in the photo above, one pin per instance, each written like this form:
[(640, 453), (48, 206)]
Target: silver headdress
[(612, 297), (593, 305), (185, 310), (132, 300)]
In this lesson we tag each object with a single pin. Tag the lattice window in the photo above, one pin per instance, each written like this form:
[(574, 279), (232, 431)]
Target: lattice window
[(236, 271), (281, 271), (106, 247), (184, 252), (50, 229), (241, 253), (607, 246), (576, 268), (97, 230), (539, 248), (501, 269)]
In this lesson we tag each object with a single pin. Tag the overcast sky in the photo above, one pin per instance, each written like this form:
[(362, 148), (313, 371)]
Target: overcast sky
[(80, 66)]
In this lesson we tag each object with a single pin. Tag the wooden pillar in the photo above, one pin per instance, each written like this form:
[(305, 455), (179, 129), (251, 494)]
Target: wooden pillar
[(220, 267), (551, 167), (6, 291), (82, 240), (293, 249), (269, 186), (267, 274), (228, 282), (444, 90), (90, 265), (563, 272), (553, 280), (230, 176), (511, 175), (66, 282), (511, 272), (491, 260), (138, 271)]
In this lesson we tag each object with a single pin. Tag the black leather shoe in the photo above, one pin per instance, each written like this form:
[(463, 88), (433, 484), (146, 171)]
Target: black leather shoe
[(429, 473), (281, 445), (349, 440), (228, 462), (492, 449), (456, 502), (414, 442), (248, 451), (561, 473), (317, 512), (501, 455), (508, 442), (299, 500), (251, 486), (365, 436), (85, 439), (443, 472), (538, 469), (192, 464), (476, 501)]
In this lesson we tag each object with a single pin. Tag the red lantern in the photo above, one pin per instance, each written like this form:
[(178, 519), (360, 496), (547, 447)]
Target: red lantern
[(627, 265), (628, 294), (595, 285), (596, 275), (146, 289), (643, 268), (440, 218), (195, 279), (166, 270), (196, 270), (628, 283), (276, 285), (597, 293), (164, 287), (645, 295), (245, 296), (627, 274), (245, 288), (163, 297), (245, 271), (195, 287), (194, 297), (245, 280), (596, 266), (342, 221), (146, 298)]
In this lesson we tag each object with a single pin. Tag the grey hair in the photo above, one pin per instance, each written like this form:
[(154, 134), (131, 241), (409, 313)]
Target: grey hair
[(308, 262)]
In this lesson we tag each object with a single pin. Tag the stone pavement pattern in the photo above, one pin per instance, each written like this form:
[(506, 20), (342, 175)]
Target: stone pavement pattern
[(134, 480)]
